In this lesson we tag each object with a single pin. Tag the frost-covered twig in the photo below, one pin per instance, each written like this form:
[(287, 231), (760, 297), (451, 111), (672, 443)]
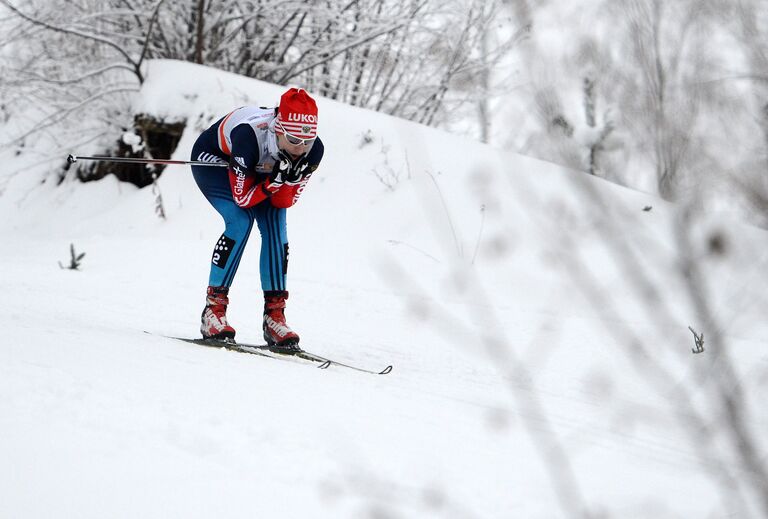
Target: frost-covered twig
[(159, 207), (74, 262), (698, 340)]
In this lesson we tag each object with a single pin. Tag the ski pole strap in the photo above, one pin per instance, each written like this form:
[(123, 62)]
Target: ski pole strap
[(71, 159)]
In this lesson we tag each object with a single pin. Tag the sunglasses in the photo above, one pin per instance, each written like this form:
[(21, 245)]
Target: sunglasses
[(292, 139)]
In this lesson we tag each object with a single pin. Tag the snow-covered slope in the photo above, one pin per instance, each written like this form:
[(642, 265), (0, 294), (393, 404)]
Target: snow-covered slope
[(514, 298)]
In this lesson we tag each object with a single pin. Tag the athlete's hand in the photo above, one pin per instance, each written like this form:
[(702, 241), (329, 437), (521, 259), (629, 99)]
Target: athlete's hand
[(299, 169), (281, 169), (289, 171)]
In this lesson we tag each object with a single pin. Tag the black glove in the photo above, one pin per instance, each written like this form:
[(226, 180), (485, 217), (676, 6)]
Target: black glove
[(299, 171), (288, 170)]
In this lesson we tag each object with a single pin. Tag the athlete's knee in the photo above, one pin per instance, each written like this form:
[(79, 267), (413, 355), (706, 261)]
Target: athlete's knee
[(237, 223)]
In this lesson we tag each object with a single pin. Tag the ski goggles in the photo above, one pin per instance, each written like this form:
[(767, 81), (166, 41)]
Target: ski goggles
[(292, 139)]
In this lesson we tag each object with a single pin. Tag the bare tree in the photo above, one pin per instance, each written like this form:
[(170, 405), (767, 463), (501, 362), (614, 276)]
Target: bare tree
[(68, 60), (664, 114), (403, 57), (644, 93), (749, 19)]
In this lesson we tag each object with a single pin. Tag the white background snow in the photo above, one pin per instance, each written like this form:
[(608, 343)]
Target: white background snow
[(488, 280)]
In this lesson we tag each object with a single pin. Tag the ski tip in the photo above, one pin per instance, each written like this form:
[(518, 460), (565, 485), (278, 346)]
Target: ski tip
[(324, 365), (386, 370)]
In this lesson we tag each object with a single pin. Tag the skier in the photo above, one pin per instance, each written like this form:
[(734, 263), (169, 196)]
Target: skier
[(271, 152)]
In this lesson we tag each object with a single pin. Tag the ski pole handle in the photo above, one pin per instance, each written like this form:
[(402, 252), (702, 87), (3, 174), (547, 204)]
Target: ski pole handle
[(71, 159)]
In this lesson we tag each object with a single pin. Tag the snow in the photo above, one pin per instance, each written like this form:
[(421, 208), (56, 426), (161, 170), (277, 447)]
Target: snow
[(489, 280)]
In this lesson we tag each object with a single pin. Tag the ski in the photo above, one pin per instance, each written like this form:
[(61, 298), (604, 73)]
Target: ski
[(302, 354), (234, 346), (273, 352)]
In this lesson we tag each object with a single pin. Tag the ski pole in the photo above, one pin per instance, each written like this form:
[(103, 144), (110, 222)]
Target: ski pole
[(74, 158)]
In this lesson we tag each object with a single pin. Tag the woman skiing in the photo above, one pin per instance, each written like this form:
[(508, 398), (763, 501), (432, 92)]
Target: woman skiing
[(272, 153)]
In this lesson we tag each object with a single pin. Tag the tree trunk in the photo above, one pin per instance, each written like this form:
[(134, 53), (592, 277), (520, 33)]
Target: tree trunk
[(199, 41)]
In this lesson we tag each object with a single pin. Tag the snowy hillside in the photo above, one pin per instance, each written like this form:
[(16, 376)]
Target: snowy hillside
[(537, 320)]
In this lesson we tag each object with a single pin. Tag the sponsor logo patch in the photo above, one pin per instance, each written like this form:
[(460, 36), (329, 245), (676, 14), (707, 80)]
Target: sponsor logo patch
[(301, 118), (222, 251), (239, 181)]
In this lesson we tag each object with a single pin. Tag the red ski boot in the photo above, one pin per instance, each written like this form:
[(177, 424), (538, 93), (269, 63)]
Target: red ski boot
[(277, 333), (214, 319)]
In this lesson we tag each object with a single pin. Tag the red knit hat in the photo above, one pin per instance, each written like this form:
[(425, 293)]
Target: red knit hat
[(297, 114)]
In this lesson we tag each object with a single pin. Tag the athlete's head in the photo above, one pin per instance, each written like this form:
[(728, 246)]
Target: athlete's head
[(296, 123)]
